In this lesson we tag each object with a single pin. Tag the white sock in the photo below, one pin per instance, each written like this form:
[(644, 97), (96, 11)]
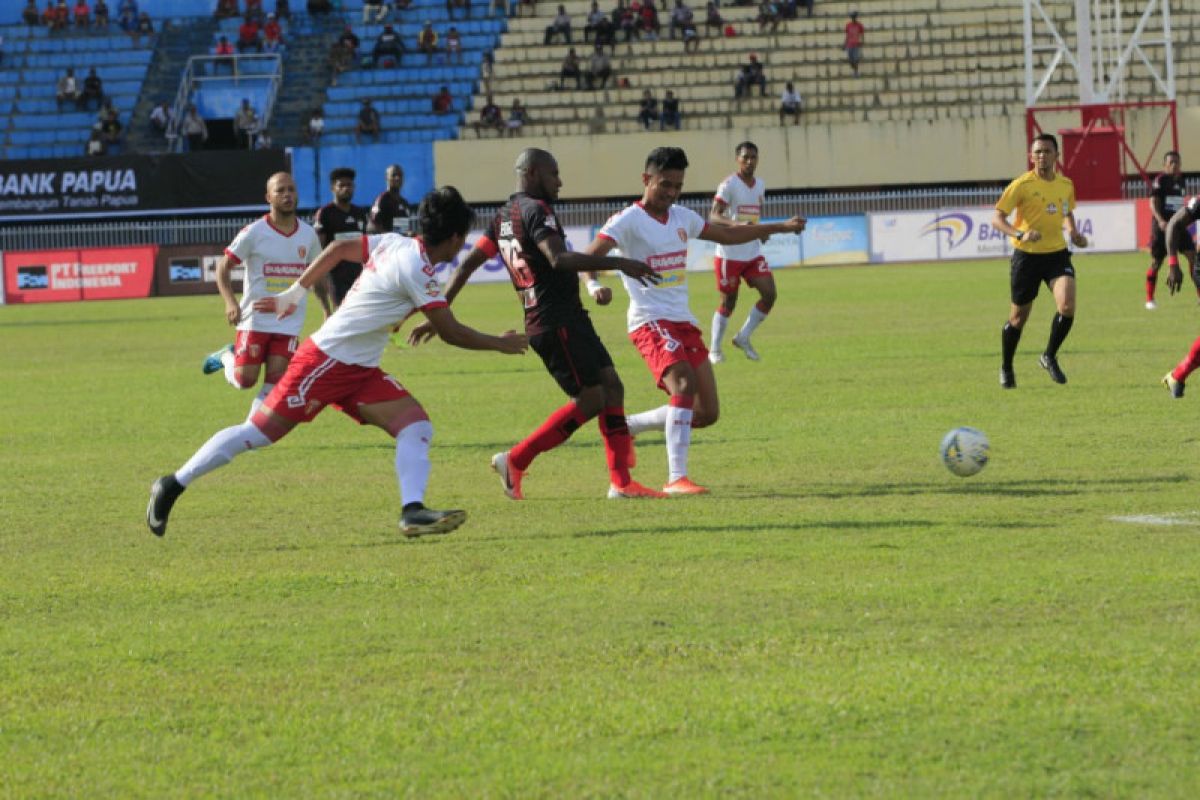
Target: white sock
[(220, 450), (719, 323), (753, 321), (412, 461), (653, 420), (679, 438), (230, 370), (258, 399)]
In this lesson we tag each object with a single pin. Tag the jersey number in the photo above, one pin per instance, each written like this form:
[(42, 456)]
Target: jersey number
[(518, 270)]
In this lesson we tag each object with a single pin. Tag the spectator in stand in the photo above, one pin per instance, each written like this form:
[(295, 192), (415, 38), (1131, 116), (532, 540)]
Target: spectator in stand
[(454, 53), (599, 68), (624, 20), (670, 112), (340, 60), (319, 6), (193, 129), (227, 9), (713, 19), (649, 24), (315, 127), (487, 70), (95, 144), (100, 15), (245, 124), (51, 17), (517, 117), (272, 35), (128, 5), (82, 14), (594, 18), (262, 140), (377, 9), (790, 102), (145, 27), (349, 39), (254, 11), (490, 117), (369, 123), (452, 5), (427, 41), (681, 16), (691, 38), (560, 26), (402, 5), (93, 89), (751, 74), (768, 14), (66, 90), (248, 37), (283, 10), (224, 53), (30, 14), (387, 46), (648, 109), (443, 102), (110, 123), (855, 32), (162, 118), (570, 69)]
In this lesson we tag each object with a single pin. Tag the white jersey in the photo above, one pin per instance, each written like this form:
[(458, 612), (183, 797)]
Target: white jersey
[(397, 279), (661, 244), (744, 204), (273, 261)]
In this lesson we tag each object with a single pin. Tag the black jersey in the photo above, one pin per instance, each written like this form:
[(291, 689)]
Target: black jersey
[(1167, 194), (550, 296), (388, 210), (332, 223)]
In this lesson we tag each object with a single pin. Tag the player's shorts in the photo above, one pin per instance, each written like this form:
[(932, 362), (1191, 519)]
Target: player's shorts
[(314, 380), (664, 342), (1158, 241), (1030, 270), (573, 354), (254, 347), (730, 272)]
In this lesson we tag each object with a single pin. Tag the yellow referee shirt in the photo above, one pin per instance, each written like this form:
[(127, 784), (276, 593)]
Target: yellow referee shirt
[(1041, 206)]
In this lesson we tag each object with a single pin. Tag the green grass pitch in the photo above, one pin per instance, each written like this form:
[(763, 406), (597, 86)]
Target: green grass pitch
[(841, 617)]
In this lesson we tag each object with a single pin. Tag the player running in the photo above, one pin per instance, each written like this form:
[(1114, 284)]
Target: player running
[(1179, 240), (340, 219), (1166, 198), (661, 325), (390, 213), (339, 364), (740, 201), (274, 251), (532, 243)]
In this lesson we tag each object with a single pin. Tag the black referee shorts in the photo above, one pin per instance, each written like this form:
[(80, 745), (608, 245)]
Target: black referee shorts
[(573, 354), (1030, 270), (1158, 241)]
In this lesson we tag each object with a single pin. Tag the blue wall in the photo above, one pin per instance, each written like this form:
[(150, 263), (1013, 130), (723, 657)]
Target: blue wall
[(311, 168)]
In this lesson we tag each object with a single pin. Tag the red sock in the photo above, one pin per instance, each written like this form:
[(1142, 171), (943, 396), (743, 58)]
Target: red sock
[(618, 444), (557, 428), (1151, 280), (1189, 364)]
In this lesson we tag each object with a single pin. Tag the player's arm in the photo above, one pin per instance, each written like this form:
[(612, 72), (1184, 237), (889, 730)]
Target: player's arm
[(321, 288), (1178, 223), (1000, 222), (555, 250), (233, 312), (1077, 238), (453, 332), (285, 303), (462, 273), (1158, 209), (716, 214), (741, 234)]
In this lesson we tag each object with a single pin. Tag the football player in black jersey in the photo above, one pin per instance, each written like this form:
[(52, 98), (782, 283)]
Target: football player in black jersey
[(340, 219), (390, 212), (1166, 198)]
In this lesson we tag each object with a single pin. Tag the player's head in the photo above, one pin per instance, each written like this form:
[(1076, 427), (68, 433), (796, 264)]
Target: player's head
[(341, 182), (444, 215), (1044, 152), (281, 194), (747, 158), (1173, 162), (537, 173), (663, 178), (394, 177)]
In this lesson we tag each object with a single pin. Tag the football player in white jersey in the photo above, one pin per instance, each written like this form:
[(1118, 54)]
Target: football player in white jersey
[(740, 200), (339, 364), (274, 251), (656, 231)]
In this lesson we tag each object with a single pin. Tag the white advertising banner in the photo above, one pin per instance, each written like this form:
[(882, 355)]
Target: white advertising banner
[(1110, 227), (902, 236)]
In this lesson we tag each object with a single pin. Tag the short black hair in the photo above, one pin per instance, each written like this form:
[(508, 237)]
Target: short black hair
[(1170, 153), (1047, 137), (664, 158), (443, 213), (341, 173), (744, 145)]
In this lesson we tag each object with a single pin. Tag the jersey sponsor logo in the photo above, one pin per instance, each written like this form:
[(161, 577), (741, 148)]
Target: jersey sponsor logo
[(748, 213), (664, 262), (282, 270), (1051, 208)]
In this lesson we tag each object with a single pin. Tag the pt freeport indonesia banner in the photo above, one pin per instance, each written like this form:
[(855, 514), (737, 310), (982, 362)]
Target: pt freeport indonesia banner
[(106, 273)]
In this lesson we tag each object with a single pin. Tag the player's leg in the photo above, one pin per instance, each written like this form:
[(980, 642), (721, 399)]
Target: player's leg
[(680, 381), (760, 279), (1158, 251), (1023, 289), (727, 287), (280, 350), (707, 409), (614, 429), (1063, 288), (242, 364)]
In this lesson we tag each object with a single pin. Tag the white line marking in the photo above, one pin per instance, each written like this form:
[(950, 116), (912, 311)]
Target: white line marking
[(1190, 518)]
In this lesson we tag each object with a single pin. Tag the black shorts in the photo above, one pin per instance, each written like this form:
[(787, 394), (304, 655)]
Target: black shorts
[(573, 355), (1030, 270), (1158, 242)]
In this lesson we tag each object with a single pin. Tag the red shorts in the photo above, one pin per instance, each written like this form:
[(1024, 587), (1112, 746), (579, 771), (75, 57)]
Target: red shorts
[(314, 380), (253, 347), (663, 343), (730, 272)]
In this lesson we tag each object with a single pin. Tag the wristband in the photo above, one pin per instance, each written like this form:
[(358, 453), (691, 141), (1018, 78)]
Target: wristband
[(594, 286), (1173, 262), (1021, 237), (290, 296)]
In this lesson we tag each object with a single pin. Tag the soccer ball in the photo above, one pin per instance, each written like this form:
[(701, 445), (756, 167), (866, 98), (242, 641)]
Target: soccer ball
[(965, 451)]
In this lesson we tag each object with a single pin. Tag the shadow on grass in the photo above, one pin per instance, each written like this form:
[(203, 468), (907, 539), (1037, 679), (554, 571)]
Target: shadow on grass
[(1011, 488), (761, 527)]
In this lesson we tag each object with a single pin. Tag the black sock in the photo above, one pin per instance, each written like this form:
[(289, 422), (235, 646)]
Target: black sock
[(413, 507), (1060, 326), (1009, 338)]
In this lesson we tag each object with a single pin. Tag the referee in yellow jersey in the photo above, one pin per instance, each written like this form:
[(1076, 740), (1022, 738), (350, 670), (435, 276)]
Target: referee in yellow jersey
[(1044, 202)]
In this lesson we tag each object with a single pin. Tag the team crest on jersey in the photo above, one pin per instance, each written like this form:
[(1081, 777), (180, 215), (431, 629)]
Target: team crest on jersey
[(255, 351), (302, 250), (551, 222), (682, 234), (433, 288)]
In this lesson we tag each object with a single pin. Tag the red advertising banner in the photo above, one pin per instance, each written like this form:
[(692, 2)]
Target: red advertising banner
[(108, 273)]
